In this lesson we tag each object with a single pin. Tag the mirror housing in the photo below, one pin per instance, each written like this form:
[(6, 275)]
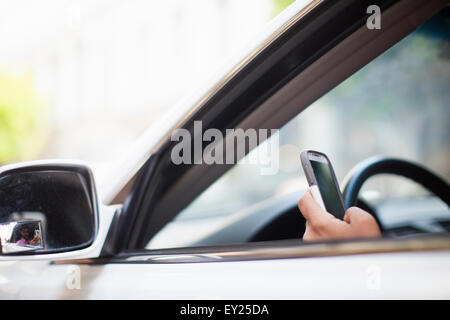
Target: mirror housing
[(47, 208)]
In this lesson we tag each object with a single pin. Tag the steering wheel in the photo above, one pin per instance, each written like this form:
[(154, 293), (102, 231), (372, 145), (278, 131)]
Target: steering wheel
[(292, 224), (382, 165)]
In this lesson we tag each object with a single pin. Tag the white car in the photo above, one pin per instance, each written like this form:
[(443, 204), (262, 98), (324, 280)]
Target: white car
[(163, 230)]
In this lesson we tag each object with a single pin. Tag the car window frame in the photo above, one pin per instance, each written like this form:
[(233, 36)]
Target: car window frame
[(128, 231)]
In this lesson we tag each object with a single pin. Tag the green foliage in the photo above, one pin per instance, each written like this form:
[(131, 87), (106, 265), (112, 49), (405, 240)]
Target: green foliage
[(21, 112), (280, 5)]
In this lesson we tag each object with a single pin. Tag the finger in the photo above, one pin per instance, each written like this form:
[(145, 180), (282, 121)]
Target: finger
[(309, 234), (347, 216), (363, 220), (311, 210), (353, 214)]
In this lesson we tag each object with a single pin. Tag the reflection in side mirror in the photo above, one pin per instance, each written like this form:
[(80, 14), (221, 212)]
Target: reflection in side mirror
[(46, 208), (23, 236)]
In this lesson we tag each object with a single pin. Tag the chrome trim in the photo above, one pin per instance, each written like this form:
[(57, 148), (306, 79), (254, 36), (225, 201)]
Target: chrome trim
[(285, 249)]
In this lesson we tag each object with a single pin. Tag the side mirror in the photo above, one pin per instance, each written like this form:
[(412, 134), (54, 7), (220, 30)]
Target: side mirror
[(46, 207)]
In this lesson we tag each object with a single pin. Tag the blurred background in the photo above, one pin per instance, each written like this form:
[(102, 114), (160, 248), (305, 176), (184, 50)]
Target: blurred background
[(83, 79)]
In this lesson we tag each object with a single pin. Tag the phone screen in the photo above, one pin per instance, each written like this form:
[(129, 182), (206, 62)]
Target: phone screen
[(328, 189)]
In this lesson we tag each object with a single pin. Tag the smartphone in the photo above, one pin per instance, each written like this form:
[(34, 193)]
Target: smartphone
[(322, 181)]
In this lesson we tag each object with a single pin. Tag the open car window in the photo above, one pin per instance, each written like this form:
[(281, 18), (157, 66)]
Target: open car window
[(395, 106)]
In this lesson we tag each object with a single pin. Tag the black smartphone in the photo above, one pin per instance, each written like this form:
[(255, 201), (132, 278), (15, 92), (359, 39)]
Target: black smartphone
[(322, 181)]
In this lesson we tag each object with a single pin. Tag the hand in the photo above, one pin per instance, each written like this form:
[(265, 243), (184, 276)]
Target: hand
[(321, 225), (35, 240)]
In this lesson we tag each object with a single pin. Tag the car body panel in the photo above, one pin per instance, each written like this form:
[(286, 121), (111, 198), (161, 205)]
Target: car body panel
[(406, 275)]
